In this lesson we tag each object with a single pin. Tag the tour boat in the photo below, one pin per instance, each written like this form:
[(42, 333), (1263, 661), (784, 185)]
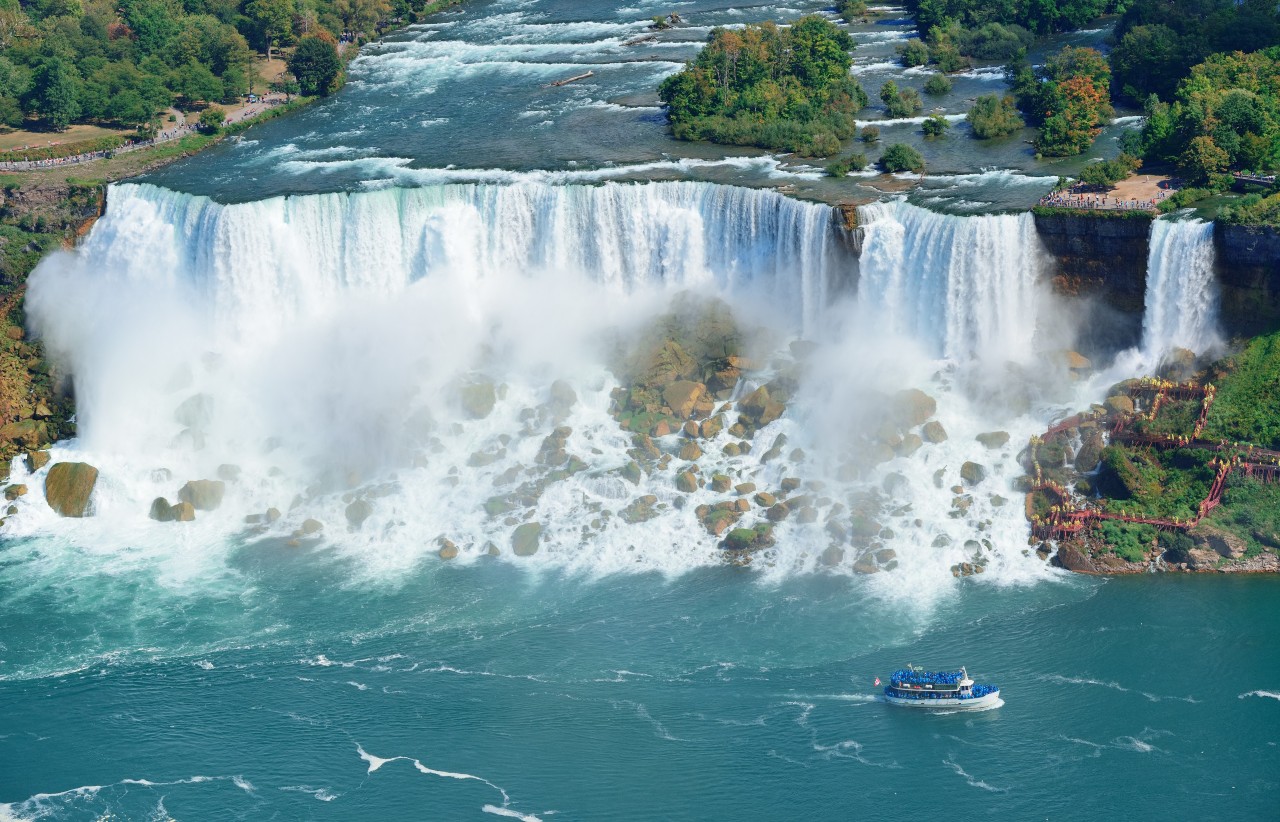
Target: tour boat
[(914, 687)]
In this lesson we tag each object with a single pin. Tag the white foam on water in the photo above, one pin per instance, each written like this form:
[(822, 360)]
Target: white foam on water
[(971, 780), (376, 762), (1263, 694)]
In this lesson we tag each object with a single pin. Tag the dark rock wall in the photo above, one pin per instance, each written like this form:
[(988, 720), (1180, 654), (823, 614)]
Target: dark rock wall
[(1104, 261), (1248, 269)]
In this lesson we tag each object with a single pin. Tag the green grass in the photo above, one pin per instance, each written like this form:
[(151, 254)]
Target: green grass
[(1247, 408), (1128, 541), (1175, 418), (1158, 483)]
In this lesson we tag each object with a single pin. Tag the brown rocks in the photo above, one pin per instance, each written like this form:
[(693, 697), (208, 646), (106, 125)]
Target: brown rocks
[(36, 460), (993, 439), (358, 511), (720, 483), (711, 426), (526, 539), (760, 408), (448, 550), (764, 499), (745, 488), (311, 527), (682, 396), (563, 399), (68, 488), (687, 482), (690, 451), (832, 555), (911, 442), (204, 495), (183, 512), (640, 510), (789, 484), (934, 432), (477, 397), (973, 473), (14, 491), (747, 540), (161, 510), (777, 512), (912, 407), (1118, 404)]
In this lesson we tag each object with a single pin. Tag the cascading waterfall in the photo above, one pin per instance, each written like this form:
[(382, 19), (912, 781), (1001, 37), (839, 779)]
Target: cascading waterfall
[(965, 287), (1182, 292), (314, 347)]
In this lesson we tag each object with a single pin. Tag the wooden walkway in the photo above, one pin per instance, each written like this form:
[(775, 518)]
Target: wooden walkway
[(1066, 517)]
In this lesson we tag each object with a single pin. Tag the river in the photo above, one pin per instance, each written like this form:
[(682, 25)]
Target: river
[(299, 313)]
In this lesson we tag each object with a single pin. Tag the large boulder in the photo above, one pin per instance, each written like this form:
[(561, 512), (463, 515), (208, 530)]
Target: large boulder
[(668, 363), (204, 495), (36, 460), (68, 488), (1119, 404), (563, 399), (161, 510), (912, 407), (358, 511), (526, 539), (195, 412), (682, 395), (973, 473), (993, 439), (934, 432), (478, 397)]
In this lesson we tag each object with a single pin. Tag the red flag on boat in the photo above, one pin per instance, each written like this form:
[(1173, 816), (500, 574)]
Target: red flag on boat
[(877, 680)]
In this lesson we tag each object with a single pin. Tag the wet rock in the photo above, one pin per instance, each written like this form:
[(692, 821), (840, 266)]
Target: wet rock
[(747, 540), (68, 488), (993, 439), (777, 512), (682, 395), (910, 444), (789, 484), (807, 514), (1119, 404), (894, 484), (631, 473), (526, 539), (866, 564), (973, 473), (205, 495), (552, 451), (764, 499), (760, 408), (480, 459), (195, 412), (962, 503), (745, 488), (358, 511), (720, 483), (718, 518), (36, 460), (711, 426), (161, 510), (310, 527), (1090, 451), (183, 512), (448, 550), (271, 515), (14, 491), (934, 432), (731, 449), (687, 482), (478, 397), (912, 407), (941, 541), (885, 555), (563, 399), (690, 451), (998, 501), (832, 556)]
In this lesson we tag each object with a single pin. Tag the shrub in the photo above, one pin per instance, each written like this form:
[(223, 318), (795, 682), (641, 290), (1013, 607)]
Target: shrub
[(1106, 173), (211, 119), (1127, 541), (901, 157), (851, 10), (935, 125), (937, 84), (913, 53), (900, 102), (870, 134), (854, 162), (994, 116)]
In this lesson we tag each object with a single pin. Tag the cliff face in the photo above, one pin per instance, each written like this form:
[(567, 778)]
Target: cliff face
[(1248, 270), (1104, 260)]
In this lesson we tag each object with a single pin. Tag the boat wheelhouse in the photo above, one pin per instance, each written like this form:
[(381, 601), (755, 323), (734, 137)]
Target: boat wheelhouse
[(914, 687)]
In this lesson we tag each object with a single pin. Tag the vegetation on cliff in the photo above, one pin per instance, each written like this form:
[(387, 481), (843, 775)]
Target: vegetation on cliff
[(1225, 116), (786, 89), (1158, 41)]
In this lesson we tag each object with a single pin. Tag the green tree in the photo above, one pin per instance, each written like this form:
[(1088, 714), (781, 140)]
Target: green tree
[(935, 125), (900, 102), (937, 84), (271, 22), (212, 118), (869, 134), (901, 157), (195, 83), (316, 65), (11, 114), (913, 53), (994, 116), (1203, 160), (55, 93)]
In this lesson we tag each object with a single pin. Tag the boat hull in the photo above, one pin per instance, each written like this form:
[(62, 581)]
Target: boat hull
[(983, 702)]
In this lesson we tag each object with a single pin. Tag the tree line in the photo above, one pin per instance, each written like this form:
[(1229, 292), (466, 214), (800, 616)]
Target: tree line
[(121, 62)]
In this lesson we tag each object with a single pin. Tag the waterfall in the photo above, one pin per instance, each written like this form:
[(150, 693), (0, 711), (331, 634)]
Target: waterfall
[(963, 286), (1182, 293), (260, 263)]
